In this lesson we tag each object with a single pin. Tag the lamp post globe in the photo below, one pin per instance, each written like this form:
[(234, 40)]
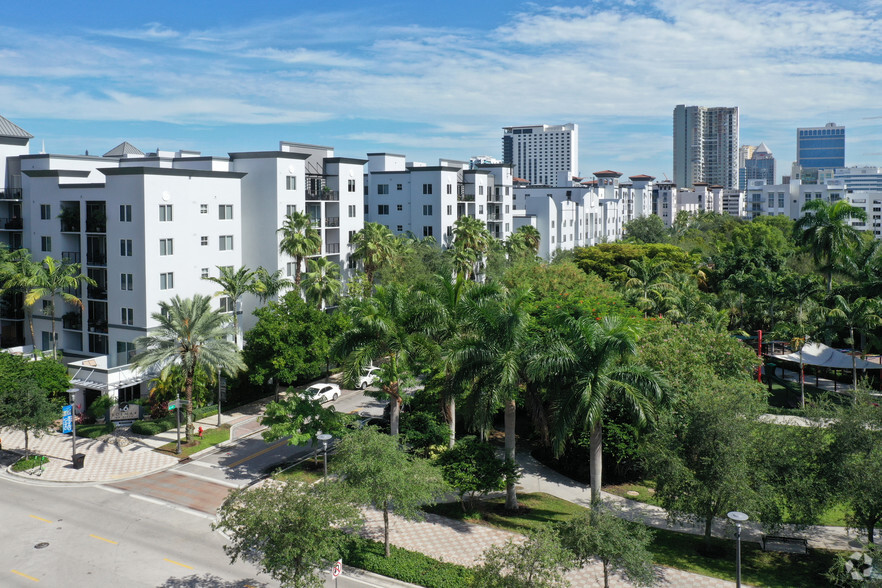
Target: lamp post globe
[(737, 518), (324, 438)]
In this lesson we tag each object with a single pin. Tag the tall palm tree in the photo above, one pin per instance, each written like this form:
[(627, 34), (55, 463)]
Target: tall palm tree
[(801, 290), (491, 354), (234, 284), (863, 313), (589, 364), (383, 327), (827, 233), (53, 279), (322, 284), (191, 334), (23, 272), (299, 240), (532, 237), (648, 278), (373, 245), (470, 235), (268, 285)]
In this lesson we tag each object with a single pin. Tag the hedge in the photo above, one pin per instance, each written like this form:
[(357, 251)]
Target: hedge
[(158, 426), (404, 565)]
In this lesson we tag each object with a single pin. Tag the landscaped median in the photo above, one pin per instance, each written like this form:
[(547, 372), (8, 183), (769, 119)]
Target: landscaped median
[(209, 438)]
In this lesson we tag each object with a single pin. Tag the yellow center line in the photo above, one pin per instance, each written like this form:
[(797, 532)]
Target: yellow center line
[(177, 563), (259, 453), (40, 518), (103, 539), (25, 575)]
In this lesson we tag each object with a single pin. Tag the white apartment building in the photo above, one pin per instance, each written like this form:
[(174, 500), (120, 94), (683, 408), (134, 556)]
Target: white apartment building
[(706, 145), (540, 152), (412, 197), (668, 200), (147, 228)]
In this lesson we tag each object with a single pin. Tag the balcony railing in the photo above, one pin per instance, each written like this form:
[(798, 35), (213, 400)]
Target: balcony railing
[(72, 322), (70, 256), (322, 195), (466, 197), (332, 248), (96, 293), (494, 216), (96, 259), (14, 224), (332, 221), (11, 194), (97, 326)]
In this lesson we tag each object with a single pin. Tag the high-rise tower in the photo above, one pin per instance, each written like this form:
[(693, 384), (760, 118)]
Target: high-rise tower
[(540, 153), (821, 147), (706, 145)]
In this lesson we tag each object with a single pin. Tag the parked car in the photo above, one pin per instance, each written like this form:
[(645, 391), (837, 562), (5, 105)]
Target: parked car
[(368, 377), (323, 392)]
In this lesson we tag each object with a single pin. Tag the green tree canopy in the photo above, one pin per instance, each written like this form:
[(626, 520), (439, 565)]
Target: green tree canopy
[(608, 260), (28, 410), (646, 229), (300, 239), (538, 562)]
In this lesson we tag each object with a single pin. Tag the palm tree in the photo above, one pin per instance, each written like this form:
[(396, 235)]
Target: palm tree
[(191, 334), (51, 279), (299, 240), (491, 354), (525, 240), (268, 285), (22, 276), (322, 282), (827, 233), (588, 363), (861, 314), (383, 327), (801, 290), (374, 246), (234, 285), (532, 237), (648, 277), (470, 236)]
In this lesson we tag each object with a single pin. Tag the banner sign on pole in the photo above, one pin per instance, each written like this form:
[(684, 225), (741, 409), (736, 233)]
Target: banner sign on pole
[(67, 418)]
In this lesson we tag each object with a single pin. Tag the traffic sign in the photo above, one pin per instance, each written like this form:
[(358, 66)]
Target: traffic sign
[(172, 406), (338, 568)]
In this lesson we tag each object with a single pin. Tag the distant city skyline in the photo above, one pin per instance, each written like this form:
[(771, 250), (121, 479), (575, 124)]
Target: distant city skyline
[(439, 81)]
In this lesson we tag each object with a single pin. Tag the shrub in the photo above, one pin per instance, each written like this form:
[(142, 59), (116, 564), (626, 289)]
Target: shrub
[(94, 431), (98, 409), (27, 463), (404, 565), (152, 427)]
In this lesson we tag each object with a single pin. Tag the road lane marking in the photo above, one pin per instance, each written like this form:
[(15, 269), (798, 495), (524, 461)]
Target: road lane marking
[(40, 518), (25, 575), (150, 500), (103, 539), (259, 453), (111, 490), (226, 483), (177, 563)]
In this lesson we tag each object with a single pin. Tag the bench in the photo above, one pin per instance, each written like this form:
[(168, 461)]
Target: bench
[(784, 544)]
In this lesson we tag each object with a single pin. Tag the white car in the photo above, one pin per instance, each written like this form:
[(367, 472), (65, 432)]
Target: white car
[(323, 392), (370, 375)]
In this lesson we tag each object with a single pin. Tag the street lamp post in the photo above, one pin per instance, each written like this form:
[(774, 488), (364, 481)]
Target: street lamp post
[(324, 438), (72, 392), (737, 518), (178, 422)]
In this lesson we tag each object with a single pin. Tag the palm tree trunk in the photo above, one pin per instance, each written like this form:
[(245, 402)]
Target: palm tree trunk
[(451, 412), (853, 361), (394, 408), (188, 393), (31, 327), (386, 528), (801, 376), (297, 261), (596, 463), (54, 340), (511, 497)]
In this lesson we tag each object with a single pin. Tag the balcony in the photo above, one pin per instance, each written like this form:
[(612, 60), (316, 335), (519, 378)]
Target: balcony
[(494, 216), (96, 293), (96, 259), (72, 321), (465, 197), (13, 224), (322, 195), (98, 326), (70, 256), (10, 194), (332, 221), (332, 248)]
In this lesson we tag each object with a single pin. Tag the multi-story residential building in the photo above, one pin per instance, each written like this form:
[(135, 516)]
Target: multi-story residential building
[(706, 145), (14, 142), (539, 153), (759, 166), (668, 200), (860, 178), (821, 147), (411, 197)]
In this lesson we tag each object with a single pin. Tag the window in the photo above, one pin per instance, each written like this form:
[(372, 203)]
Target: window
[(203, 240), (45, 243), (166, 247), (506, 209), (351, 185), (290, 269), (125, 247), (45, 211), (165, 213), (127, 316), (365, 208), (480, 190), (351, 235), (125, 282), (427, 231), (205, 272), (291, 182), (290, 209), (427, 188), (449, 209), (382, 189), (400, 228), (47, 307), (427, 210), (225, 211), (226, 242), (382, 209), (203, 209), (226, 304), (399, 207), (352, 211), (166, 281), (450, 188), (398, 187), (480, 209), (125, 213)]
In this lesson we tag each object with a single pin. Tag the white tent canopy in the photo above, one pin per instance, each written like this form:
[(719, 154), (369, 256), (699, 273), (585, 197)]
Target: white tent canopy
[(818, 354)]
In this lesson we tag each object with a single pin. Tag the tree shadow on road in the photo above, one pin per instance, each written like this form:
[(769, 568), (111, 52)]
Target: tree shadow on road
[(210, 581)]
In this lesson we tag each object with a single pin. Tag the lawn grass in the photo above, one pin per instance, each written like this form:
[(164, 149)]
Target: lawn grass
[(670, 548), (94, 431), (306, 472), (210, 438), (30, 462)]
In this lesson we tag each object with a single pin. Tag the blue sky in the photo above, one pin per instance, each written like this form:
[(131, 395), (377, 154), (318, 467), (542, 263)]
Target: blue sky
[(439, 79)]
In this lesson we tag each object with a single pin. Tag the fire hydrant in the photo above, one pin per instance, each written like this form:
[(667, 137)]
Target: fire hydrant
[(200, 432)]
